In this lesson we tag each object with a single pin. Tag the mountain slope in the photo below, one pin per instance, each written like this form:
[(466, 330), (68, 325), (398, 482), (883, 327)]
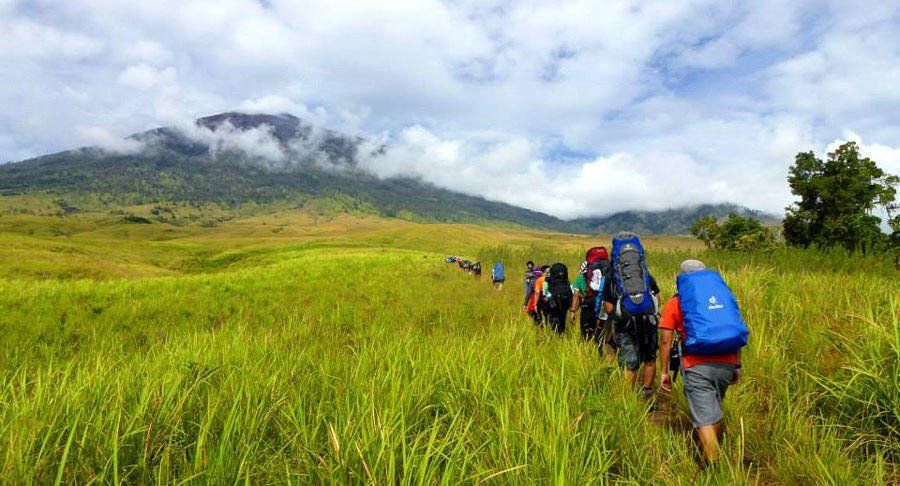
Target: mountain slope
[(234, 159), (206, 167), (670, 221)]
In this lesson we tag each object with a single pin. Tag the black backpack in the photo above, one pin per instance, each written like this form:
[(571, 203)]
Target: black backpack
[(558, 286)]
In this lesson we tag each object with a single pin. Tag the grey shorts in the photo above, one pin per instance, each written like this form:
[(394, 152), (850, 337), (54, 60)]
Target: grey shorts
[(636, 342), (705, 386)]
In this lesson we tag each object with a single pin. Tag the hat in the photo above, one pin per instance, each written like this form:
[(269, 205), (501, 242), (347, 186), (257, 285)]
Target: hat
[(691, 266)]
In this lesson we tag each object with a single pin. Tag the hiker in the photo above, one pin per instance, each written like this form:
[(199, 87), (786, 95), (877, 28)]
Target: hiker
[(530, 305), (586, 288), (529, 280), (630, 296), (476, 269), (540, 298), (498, 276), (579, 301), (557, 294), (706, 318)]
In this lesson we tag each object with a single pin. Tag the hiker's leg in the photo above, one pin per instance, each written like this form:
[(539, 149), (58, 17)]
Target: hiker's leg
[(648, 374), (560, 317), (607, 339), (627, 355), (649, 346), (709, 442), (630, 377), (586, 321), (704, 386), (610, 353)]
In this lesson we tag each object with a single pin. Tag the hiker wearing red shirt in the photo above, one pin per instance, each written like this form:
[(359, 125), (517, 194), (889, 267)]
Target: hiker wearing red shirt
[(706, 376)]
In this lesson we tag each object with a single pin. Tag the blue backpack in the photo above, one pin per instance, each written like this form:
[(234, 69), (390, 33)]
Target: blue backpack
[(712, 320), (632, 279), (498, 274)]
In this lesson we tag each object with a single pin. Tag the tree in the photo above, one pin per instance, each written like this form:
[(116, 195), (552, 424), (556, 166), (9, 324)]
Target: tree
[(706, 229), (837, 201), (735, 233), (734, 228)]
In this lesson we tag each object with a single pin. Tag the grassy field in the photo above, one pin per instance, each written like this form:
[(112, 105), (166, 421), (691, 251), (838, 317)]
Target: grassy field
[(301, 348)]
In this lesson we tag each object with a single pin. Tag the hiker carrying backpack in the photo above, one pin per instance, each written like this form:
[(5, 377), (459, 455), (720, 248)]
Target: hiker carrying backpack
[(630, 296), (559, 296), (712, 320), (631, 278), (589, 283), (498, 274), (705, 318)]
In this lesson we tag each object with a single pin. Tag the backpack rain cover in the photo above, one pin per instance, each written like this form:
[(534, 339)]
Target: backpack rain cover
[(712, 320)]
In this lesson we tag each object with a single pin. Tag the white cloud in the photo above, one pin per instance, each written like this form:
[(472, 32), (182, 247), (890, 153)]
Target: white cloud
[(514, 171), (256, 142), (692, 100), (142, 76), (885, 156), (102, 138)]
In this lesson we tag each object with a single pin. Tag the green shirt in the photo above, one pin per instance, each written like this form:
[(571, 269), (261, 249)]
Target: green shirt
[(580, 284)]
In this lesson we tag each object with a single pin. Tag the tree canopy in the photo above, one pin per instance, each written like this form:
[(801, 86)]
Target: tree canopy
[(837, 201), (735, 233)]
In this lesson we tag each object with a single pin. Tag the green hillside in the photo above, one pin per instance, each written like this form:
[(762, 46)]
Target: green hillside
[(251, 352), (173, 168)]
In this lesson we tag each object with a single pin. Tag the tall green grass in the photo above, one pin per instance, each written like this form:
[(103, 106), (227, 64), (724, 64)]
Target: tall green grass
[(276, 369)]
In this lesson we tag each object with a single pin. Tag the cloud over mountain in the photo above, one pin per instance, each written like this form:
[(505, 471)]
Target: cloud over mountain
[(569, 107)]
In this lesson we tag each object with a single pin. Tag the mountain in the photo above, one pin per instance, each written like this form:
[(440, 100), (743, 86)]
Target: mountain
[(669, 222), (232, 159), (237, 159)]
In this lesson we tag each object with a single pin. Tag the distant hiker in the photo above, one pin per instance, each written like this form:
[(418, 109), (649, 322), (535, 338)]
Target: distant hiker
[(530, 304), (557, 296), (587, 286), (529, 280), (498, 276), (476, 269), (630, 296), (706, 317), (541, 300), (579, 292)]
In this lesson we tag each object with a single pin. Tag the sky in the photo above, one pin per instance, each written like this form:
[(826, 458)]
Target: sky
[(573, 108)]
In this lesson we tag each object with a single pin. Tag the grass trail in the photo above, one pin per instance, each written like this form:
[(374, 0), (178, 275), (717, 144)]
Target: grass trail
[(272, 369)]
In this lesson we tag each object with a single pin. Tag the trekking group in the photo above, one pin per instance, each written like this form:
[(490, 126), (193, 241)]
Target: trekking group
[(698, 333), (498, 273)]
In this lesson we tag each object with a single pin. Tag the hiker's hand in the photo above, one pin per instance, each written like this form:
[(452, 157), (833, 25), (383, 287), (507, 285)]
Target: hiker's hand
[(572, 316), (737, 376), (666, 382)]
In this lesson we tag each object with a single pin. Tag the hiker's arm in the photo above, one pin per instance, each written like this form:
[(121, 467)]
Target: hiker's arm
[(576, 301), (737, 371), (665, 355)]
